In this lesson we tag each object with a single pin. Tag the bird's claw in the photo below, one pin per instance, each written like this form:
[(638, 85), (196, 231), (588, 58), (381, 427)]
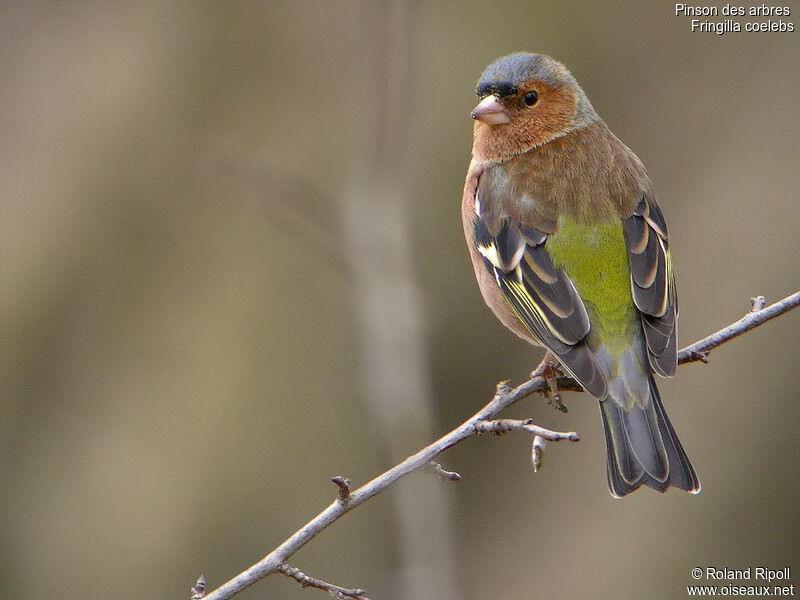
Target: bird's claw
[(550, 374)]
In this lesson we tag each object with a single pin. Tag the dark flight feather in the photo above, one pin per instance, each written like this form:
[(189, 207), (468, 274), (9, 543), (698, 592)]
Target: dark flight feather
[(653, 284)]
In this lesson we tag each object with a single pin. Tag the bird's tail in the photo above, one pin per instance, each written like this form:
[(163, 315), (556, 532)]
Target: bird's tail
[(641, 444)]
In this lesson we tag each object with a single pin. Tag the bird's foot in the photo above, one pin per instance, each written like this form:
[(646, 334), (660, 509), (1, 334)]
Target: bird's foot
[(549, 369)]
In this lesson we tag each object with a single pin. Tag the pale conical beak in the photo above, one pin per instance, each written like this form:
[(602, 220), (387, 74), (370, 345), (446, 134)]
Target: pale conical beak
[(489, 110)]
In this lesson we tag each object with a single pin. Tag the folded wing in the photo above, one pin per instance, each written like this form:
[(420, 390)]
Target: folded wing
[(653, 284), (541, 295)]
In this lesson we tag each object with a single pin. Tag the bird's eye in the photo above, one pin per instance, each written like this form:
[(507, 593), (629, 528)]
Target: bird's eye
[(531, 98)]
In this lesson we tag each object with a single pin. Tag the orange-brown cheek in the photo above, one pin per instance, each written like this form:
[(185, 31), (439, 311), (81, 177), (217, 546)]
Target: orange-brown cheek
[(543, 123), (553, 116)]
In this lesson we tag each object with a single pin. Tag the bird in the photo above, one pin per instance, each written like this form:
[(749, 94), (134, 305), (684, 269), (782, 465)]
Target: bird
[(571, 253)]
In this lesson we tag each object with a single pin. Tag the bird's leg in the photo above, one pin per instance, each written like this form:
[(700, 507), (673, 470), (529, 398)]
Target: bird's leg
[(549, 369)]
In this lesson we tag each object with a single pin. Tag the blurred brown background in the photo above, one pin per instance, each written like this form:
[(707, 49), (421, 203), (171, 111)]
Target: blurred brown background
[(211, 210)]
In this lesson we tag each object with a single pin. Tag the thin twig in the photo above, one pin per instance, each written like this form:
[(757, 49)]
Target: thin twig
[(306, 581), (505, 425), (504, 396), (700, 350), (444, 475)]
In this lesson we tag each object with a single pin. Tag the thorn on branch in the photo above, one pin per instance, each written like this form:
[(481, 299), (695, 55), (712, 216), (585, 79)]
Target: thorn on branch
[(757, 303), (539, 444), (343, 483), (307, 581), (503, 388), (701, 355), (436, 469), (199, 588)]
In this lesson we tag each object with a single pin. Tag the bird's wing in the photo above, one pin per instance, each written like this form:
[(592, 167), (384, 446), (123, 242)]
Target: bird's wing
[(653, 283), (541, 295)]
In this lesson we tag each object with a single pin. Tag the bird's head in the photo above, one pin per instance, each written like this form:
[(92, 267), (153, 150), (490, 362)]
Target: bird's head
[(526, 100)]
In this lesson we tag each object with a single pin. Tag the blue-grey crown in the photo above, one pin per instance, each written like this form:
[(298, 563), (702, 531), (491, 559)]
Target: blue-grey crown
[(504, 76)]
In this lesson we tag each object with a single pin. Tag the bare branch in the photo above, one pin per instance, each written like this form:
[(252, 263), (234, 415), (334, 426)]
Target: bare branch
[(505, 425), (701, 349), (481, 421), (335, 591)]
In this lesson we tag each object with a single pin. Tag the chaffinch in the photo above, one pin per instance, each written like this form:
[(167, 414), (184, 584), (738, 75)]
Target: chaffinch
[(571, 253)]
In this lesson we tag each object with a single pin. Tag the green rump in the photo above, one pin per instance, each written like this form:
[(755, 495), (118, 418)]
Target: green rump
[(595, 258)]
